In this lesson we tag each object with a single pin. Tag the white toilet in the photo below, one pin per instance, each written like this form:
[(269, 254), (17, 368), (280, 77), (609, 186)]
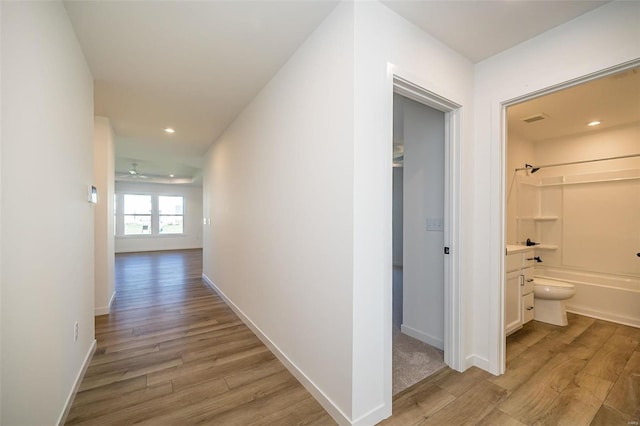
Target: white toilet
[(549, 296)]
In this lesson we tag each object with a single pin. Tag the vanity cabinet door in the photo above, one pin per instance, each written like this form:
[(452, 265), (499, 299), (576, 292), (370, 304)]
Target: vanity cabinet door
[(513, 302)]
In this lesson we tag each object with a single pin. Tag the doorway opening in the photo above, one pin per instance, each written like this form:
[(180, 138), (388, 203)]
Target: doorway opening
[(426, 217), (571, 184)]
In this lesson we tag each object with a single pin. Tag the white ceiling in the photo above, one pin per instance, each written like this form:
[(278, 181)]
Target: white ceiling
[(613, 100), (194, 65), (189, 65), (478, 29)]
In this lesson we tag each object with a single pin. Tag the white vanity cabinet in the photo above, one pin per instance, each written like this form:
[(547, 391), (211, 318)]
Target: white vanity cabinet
[(518, 300)]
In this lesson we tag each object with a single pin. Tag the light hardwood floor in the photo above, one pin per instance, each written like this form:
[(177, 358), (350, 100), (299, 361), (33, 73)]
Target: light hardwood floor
[(587, 373), (172, 352)]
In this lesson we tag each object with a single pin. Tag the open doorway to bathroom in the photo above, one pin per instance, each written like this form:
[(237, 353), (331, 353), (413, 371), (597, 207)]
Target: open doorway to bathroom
[(572, 224), (418, 239)]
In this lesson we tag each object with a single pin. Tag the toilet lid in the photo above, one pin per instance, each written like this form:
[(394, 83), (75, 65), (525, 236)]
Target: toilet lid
[(550, 282)]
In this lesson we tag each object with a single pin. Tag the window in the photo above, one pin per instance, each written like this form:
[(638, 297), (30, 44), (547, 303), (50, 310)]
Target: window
[(137, 214), (148, 215), (171, 214)]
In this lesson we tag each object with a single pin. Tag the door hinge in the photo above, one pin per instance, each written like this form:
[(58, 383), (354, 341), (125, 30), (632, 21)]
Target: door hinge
[(446, 250)]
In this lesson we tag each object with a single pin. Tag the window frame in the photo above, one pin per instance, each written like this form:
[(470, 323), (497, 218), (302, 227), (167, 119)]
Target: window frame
[(155, 215)]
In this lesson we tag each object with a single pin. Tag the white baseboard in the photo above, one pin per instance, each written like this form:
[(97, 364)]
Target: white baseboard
[(373, 417), (105, 310), (422, 336), (606, 316), (314, 390), (478, 361), (76, 385)]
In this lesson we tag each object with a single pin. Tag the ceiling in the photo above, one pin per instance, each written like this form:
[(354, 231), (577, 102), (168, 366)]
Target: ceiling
[(188, 65), (613, 100), (478, 29), (194, 65)]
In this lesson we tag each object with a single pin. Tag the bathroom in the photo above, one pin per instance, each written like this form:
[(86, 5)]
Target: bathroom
[(572, 188)]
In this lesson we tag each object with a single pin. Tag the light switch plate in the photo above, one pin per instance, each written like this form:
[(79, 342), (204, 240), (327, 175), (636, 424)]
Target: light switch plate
[(435, 224)]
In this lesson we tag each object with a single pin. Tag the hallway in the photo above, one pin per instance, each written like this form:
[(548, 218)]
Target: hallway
[(172, 351)]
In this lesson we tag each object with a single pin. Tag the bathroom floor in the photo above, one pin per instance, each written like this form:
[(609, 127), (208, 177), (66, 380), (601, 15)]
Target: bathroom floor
[(587, 373), (413, 360)]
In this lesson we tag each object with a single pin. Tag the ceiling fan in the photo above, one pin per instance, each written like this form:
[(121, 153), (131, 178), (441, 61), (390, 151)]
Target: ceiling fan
[(133, 172)]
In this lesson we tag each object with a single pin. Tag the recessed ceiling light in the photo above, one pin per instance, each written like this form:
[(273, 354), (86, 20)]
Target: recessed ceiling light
[(593, 123), (169, 130), (171, 176)]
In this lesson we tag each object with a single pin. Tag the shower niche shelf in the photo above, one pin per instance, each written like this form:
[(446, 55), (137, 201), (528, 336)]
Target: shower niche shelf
[(539, 218), (546, 247), (544, 218)]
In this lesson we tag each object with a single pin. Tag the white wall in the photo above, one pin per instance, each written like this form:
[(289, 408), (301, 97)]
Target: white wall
[(611, 142), (423, 270), (47, 223), (519, 152), (595, 41), (192, 237), (607, 212), (103, 171), (279, 245)]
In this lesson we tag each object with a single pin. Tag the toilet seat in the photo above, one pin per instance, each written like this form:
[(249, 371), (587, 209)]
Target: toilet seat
[(551, 282), (552, 290)]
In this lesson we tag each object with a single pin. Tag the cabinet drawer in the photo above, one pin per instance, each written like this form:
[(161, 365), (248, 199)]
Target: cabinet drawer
[(527, 308), (527, 286)]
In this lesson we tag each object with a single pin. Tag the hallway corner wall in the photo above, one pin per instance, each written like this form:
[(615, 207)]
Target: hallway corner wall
[(47, 221), (278, 206), (103, 169)]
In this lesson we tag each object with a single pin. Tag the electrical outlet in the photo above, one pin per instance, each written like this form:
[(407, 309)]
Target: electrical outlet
[(75, 332)]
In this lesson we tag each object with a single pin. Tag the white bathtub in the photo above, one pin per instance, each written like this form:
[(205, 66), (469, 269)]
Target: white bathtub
[(613, 298)]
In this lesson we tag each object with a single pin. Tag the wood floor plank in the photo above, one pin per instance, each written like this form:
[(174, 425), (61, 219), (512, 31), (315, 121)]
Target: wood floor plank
[(238, 378), (575, 406), (305, 412), (597, 386), (95, 395), (497, 417), (533, 399), (521, 369), (415, 407), (208, 408), (607, 416), (458, 383), (118, 376), (87, 412), (611, 358), (468, 408), (625, 395), (278, 401), (209, 368)]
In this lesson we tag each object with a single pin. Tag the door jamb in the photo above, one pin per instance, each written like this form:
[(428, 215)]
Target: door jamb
[(503, 105), (452, 295)]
